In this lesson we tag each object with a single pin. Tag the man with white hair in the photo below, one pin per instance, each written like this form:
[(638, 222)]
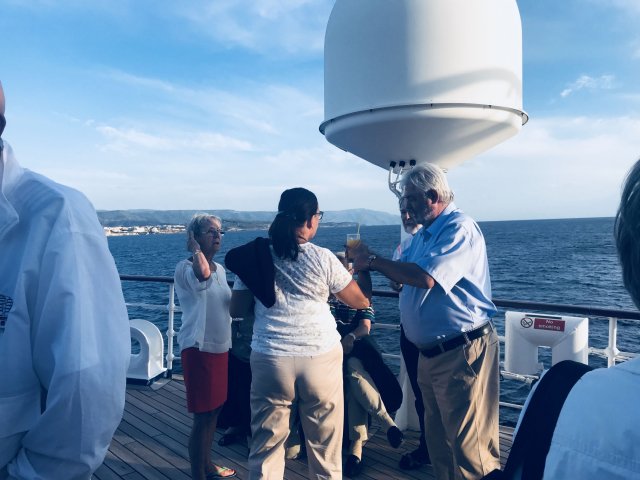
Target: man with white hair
[(446, 312), (64, 330)]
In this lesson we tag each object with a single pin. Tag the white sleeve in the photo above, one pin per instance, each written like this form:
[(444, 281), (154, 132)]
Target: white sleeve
[(186, 279), (397, 253), (339, 277), (81, 350)]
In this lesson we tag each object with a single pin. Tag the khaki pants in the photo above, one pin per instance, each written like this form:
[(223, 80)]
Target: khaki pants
[(363, 399), (316, 384), (460, 389)]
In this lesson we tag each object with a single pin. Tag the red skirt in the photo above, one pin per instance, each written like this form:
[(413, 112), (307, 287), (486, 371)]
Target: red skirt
[(205, 378)]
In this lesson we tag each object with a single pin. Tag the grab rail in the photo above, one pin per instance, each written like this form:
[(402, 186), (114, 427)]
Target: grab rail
[(611, 352)]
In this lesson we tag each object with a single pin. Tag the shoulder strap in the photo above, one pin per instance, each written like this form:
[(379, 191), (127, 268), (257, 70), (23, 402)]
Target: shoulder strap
[(532, 443)]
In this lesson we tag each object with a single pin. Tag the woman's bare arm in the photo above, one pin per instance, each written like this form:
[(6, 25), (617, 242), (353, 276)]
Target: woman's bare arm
[(353, 296)]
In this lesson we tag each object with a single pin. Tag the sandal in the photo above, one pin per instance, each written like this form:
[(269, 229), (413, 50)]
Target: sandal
[(221, 472)]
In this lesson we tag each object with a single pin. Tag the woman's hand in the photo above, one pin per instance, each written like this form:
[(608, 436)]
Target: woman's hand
[(347, 343), (192, 243)]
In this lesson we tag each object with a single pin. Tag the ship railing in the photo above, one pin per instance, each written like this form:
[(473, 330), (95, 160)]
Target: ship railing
[(610, 353)]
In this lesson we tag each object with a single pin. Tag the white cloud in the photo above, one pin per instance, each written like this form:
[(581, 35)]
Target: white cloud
[(130, 141), (266, 110), (635, 49), (604, 82), (631, 7), (559, 167), (139, 81), (266, 26)]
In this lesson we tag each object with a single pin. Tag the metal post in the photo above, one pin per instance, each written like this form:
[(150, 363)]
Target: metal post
[(170, 332), (612, 349)]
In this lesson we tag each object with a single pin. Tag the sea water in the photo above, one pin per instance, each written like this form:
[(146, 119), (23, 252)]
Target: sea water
[(553, 261)]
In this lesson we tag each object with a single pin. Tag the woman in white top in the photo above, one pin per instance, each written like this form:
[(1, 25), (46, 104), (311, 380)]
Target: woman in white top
[(204, 338), (296, 351)]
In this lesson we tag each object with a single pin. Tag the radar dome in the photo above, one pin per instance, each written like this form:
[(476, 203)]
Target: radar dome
[(436, 81)]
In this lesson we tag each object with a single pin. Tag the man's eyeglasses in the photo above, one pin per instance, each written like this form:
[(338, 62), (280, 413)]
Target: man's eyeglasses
[(214, 232), (319, 215)]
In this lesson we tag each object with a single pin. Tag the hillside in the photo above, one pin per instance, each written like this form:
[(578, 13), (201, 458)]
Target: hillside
[(238, 219)]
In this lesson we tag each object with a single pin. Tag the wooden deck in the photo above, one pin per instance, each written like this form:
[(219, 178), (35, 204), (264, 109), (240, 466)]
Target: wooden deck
[(151, 443)]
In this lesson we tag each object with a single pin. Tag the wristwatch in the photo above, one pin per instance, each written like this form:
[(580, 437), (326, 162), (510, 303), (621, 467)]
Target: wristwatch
[(370, 261)]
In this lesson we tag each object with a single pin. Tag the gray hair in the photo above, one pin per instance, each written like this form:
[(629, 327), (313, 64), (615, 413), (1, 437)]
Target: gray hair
[(198, 221), (427, 176), (627, 233)]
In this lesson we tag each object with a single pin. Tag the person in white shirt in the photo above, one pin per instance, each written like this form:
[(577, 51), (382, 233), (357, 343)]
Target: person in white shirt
[(597, 435), (420, 456), (64, 330), (579, 422), (205, 339), (296, 355)]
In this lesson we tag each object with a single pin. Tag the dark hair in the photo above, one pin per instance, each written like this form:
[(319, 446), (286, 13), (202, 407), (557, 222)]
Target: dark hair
[(296, 206), (627, 233)]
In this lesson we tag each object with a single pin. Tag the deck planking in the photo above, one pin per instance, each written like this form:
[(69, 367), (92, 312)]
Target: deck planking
[(151, 443)]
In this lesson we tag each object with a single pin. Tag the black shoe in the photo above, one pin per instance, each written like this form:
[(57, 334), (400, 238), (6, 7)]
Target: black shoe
[(395, 436), (229, 439), (415, 459), (353, 466)]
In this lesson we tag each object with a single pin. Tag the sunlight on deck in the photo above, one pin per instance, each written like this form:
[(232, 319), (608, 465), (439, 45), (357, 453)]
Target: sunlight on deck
[(151, 443)]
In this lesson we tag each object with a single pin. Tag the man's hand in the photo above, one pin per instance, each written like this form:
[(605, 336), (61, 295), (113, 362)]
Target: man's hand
[(359, 254)]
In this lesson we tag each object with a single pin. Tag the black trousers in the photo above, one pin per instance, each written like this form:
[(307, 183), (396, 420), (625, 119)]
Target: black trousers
[(410, 355), (236, 411)]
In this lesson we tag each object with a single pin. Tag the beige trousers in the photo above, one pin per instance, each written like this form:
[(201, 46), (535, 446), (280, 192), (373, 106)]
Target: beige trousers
[(316, 384), (460, 389), (363, 399)]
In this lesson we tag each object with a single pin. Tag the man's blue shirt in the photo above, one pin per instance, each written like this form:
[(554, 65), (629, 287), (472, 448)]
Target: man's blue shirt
[(452, 250)]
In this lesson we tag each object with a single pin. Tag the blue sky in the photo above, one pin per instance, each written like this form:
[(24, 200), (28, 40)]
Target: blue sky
[(216, 104)]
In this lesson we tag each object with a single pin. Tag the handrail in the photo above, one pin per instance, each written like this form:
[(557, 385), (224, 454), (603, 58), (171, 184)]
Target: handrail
[(611, 352), (527, 305), (563, 308), (147, 278)]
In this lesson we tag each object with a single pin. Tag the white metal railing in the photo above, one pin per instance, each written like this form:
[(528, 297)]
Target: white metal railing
[(611, 353)]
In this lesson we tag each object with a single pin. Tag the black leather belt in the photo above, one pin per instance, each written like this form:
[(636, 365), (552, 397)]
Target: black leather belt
[(457, 341)]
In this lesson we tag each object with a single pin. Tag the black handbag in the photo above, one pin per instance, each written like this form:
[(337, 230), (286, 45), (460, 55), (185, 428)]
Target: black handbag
[(533, 440)]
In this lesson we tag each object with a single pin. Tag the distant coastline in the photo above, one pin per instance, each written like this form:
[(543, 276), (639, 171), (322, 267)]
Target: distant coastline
[(151, 222), (120, 231), (131, 230)]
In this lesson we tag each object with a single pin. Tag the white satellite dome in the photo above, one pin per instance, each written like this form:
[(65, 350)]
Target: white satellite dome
[(436, 81)]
